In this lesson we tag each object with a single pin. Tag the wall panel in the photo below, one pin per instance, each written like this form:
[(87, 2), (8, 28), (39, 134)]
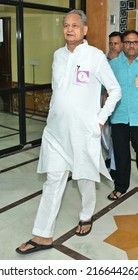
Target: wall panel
[(96, 11)]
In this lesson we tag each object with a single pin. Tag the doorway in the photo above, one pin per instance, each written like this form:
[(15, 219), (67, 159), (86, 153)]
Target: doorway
[(33, 31)]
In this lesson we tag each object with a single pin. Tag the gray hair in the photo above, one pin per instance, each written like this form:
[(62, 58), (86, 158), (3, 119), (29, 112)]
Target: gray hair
[(77, 12)]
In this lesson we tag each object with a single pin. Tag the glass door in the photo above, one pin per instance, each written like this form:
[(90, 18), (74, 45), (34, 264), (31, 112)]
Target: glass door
[(9, 120)]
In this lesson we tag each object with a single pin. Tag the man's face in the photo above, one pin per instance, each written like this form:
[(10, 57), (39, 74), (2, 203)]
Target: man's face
[(115, 44), (74, 30), (130, 45)]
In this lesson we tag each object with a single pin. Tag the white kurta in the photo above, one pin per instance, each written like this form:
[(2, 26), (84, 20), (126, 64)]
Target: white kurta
[(72, 139)]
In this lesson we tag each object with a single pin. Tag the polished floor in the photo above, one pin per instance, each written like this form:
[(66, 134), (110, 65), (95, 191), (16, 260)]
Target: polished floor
[(114, 235)]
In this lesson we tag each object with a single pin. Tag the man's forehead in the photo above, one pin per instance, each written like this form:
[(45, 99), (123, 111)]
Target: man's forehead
[(115, 38), (73, 17), (132, 35)]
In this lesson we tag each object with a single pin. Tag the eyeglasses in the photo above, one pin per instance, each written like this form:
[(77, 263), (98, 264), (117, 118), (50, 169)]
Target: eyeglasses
[(129, 43)]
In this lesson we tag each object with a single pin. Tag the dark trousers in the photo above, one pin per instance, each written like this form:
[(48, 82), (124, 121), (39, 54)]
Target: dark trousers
[(122, 134)]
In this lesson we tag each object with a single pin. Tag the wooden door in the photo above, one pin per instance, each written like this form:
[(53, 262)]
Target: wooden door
[(96, 11), (5, 61)]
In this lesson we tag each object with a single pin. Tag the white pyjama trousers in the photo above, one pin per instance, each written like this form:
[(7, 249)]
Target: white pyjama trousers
[(50, 202)]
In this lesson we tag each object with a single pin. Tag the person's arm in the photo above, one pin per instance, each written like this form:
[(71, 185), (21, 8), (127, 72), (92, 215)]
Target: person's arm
[(107, 78)]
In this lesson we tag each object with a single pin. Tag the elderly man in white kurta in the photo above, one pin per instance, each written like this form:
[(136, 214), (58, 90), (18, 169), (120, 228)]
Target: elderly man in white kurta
[(71, 140)]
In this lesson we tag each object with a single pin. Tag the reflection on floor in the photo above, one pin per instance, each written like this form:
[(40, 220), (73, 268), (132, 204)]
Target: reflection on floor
[(114, 235), (9, 128)]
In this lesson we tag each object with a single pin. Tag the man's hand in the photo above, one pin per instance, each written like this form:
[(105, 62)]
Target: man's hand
[(112, 54)]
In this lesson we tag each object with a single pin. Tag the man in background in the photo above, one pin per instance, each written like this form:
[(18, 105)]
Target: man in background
[(124, 120), (115, 45)]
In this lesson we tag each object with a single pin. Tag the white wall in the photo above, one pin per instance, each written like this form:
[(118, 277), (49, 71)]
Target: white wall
[(113, 9)]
